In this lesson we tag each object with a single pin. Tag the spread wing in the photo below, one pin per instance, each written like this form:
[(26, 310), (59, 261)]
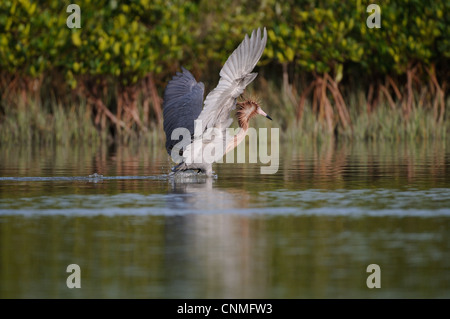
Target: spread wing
[(183, 102), (234, 77)]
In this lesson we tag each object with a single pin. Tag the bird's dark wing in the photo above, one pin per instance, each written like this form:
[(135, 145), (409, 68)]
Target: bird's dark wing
[(183, 102)]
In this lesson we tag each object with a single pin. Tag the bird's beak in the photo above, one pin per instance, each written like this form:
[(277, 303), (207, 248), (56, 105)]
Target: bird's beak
[(261, 112)]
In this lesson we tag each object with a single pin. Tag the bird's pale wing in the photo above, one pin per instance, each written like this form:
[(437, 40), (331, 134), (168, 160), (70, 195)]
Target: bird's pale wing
[(183, 102), (234, 77)]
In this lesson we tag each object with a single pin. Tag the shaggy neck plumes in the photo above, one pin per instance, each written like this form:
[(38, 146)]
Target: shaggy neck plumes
[(245, 111)]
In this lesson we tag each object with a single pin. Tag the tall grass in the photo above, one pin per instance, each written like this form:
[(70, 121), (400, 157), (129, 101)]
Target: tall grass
[(385, 124), (382, 124), (52, 122)]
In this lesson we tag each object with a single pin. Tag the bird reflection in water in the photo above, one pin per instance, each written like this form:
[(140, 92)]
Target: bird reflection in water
[(208, 239)]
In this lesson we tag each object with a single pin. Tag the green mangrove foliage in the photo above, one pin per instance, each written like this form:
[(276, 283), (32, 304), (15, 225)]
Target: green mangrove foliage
[(319, 41), (414, 40), (318, 54), (331, 42), (124, 45)]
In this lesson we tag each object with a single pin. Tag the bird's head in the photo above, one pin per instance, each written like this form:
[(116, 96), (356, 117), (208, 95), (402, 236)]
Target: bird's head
[(246, 110)]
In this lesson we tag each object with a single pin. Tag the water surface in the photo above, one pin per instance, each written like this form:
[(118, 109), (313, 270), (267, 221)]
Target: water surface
[(308, 231)]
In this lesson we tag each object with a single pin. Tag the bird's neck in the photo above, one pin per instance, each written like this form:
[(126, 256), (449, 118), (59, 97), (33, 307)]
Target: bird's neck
[(238, 138), (242, 118), (243, 123), (243, 114)]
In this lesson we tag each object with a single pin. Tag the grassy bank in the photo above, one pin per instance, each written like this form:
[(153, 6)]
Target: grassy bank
[(385, 122), (46, 121), (51, 123)]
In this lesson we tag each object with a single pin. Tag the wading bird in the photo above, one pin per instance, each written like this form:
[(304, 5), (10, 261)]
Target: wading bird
[(206, 127)]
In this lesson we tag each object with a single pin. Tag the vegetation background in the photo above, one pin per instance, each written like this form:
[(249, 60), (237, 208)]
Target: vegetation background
[(324, 73)]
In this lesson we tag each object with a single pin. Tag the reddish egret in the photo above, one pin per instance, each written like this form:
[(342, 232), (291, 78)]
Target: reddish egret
[(206, 126)]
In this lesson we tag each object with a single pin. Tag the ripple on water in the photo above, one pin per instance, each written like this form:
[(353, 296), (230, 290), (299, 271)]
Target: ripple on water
[(353, 203)]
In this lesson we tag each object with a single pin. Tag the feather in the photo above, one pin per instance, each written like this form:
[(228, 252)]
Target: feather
[(234, 77), (183, 101)]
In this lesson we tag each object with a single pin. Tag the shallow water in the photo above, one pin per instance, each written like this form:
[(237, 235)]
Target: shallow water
[(308, 231)]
